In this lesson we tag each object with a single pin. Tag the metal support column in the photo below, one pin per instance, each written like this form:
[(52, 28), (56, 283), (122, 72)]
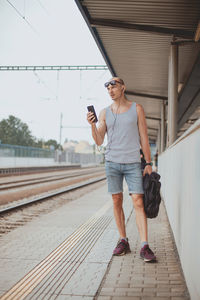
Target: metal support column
[(162, 142), (158, 142), (173, 94), (168, 115), (61, 117)]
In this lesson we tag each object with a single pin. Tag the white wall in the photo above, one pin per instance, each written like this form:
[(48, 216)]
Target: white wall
[(179, 167), (63, 158), (6, 162)]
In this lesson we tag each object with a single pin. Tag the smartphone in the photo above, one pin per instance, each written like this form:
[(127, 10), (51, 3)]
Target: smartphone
[(91, 109)]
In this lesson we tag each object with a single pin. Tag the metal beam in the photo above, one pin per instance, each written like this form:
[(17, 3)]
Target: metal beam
[(173, 94), (148, 28), (162, 128), (53, 68), (184, 42), (86, 16), (158, 140), (150, 128), (146, 95), (152, 118), (152, 138)]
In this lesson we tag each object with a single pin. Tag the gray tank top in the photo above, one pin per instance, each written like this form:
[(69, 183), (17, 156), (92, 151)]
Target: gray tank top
[(123, 137)]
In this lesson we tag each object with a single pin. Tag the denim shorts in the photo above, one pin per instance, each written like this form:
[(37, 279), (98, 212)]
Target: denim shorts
[(116, 172)]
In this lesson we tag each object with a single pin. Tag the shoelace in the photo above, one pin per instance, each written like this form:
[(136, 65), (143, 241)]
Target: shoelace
[(121, 245), (149, 251)]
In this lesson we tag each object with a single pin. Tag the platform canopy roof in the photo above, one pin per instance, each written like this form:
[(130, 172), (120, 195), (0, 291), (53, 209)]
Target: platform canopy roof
[(134, 38)]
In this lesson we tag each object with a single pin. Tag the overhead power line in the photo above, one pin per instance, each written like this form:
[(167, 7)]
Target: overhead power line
[(40, 80), (23, 17), (53, 68), (44, 8)]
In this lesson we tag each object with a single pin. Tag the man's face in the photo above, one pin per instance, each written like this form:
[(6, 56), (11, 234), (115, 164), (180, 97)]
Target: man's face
[(115, 91)]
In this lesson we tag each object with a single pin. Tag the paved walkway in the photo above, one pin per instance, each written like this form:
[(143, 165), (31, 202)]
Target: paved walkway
[(67, 254), (128, 277)]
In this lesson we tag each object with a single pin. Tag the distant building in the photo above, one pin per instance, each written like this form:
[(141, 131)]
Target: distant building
[(78, 147), (80, 153), (84, 147), (69, 146)]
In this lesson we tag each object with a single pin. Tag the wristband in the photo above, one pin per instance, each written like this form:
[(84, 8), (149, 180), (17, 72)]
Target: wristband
[(148, 164)]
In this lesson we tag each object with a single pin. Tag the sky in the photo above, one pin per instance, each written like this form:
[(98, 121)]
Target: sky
[(49, 32)]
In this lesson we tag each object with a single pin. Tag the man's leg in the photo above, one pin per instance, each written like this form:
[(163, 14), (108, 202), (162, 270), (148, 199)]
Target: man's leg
[(141, 220), (119, 213), (115, 187), (123, 245)]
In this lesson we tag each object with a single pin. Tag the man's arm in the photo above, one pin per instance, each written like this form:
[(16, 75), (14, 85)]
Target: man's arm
[(98, 133), (144, 140)]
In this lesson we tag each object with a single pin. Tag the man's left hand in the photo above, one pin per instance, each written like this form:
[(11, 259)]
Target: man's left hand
[(147, 170)]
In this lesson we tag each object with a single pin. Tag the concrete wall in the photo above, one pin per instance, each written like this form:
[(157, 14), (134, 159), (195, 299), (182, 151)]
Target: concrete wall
[(179, 167), (25, 161), (61, 158)]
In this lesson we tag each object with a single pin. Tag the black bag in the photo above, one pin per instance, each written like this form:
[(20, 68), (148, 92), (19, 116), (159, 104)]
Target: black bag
[(151, 198)]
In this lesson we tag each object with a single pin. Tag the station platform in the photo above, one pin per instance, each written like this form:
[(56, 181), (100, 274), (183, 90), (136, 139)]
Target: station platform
[(67, 254)]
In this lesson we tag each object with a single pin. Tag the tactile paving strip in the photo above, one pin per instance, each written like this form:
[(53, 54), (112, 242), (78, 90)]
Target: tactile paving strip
[(50, 276)]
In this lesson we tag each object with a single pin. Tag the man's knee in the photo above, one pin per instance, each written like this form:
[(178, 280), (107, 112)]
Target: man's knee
[(117, 199), (138, 201)]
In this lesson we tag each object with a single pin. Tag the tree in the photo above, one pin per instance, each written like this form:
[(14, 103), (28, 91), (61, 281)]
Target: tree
[(13, 131), (53, 143), (40, 143)]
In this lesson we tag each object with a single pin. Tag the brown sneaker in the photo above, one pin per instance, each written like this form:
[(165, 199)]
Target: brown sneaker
[(147, 254), (122, 248)]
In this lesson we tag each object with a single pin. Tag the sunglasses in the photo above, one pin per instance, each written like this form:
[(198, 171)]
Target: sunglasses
[(112, 82)]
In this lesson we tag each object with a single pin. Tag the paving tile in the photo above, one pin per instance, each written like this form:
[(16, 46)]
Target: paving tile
[(108, 292), (75, 297), (122, 284), (125, 298), (80, 284), (161, 288), (110, 283), (178, 289), (155, 297), (176, 282), (104, 298), (149, 289), (133, 294), (179, 298)]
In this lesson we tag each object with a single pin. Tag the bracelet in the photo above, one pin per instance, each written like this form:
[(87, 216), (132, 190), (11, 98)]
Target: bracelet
[(148, 164)]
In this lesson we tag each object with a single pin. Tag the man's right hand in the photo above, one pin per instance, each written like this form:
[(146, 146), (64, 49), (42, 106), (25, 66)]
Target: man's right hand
[(98, 133), (90, 118)]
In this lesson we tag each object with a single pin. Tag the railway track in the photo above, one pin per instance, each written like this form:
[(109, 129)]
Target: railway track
[(14, 189), (50, 178), (48, 195), (22, 211)]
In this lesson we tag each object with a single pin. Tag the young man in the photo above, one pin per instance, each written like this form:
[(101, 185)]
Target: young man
[(125, 124)]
